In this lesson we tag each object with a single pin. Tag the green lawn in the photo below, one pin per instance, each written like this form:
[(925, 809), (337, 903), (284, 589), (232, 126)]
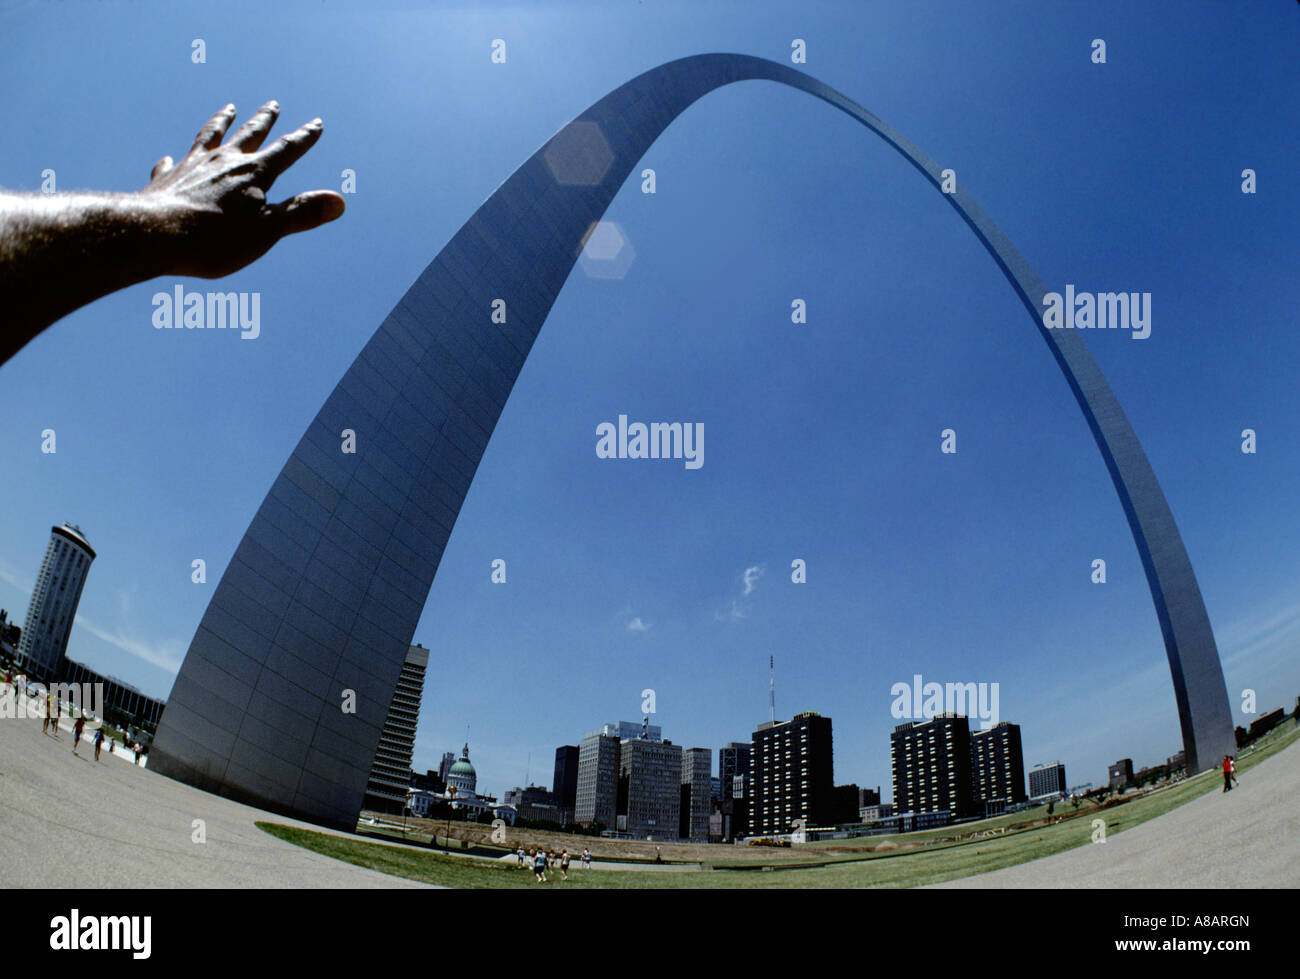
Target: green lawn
[(908, 868)]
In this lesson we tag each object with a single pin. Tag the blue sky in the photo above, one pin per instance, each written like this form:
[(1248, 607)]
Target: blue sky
[(822, 439)]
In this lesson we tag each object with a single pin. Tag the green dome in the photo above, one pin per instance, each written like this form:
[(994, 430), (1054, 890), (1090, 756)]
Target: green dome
[(462, 767)]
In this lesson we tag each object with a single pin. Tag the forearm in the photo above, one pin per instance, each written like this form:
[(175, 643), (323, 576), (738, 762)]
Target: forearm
[(61, 251), (205, 216)]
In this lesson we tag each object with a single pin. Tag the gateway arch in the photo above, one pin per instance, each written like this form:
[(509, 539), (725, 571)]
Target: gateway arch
[(324, 591)]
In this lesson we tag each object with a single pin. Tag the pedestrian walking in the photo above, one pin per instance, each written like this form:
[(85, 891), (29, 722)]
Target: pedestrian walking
[(1227, 773), (99, 741), (78, 726), (135, 746), (520, 854), (564, 865), (49, 715), (539, 866), (586, 858)]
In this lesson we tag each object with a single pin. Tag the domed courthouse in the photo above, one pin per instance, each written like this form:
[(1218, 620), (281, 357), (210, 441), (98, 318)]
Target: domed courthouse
[(462, 791), (462, 777)]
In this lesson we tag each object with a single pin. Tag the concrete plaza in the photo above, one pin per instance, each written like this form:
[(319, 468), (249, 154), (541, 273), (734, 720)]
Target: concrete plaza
[(1249, 837), (67, 821)]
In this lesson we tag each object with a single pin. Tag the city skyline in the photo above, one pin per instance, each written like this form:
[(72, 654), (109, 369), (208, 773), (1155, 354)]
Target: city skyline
[(656, 729), (693, 609)]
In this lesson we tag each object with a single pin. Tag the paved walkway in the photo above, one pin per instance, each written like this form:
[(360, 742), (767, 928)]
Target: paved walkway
[(69, 821), (1249, 837)]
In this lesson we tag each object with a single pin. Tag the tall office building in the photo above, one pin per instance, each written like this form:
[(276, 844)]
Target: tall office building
[(696, 794), (792, 775), (649, 789), (997, 768), (733, 760), (734, 766), (44, 642), (597, 791), (565, 783), (448, 759), (1047, 780), (932, 765), (390, 774)]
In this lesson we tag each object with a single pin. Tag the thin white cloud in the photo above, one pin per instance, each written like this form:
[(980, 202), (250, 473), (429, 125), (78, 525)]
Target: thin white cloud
[(165, 654), (739, 609), (11, 577), (638, 625), (1246, 639)]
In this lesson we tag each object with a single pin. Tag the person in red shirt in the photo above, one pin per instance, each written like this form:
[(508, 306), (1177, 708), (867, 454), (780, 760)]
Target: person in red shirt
[(1227, 773)]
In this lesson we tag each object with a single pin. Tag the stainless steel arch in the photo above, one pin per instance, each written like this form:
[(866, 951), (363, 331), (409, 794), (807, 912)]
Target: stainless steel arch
[(325, 590)]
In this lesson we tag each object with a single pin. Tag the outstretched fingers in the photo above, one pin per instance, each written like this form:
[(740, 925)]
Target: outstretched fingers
[(214, 130), (288, 150), (253, 132)]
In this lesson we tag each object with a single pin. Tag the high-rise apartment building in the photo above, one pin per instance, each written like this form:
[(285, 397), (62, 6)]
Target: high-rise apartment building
[(997, 768), (390, 773), (792, 775), (44, 642), (931, 762)]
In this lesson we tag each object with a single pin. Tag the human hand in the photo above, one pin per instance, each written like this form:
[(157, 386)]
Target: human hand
[(212, 205)]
